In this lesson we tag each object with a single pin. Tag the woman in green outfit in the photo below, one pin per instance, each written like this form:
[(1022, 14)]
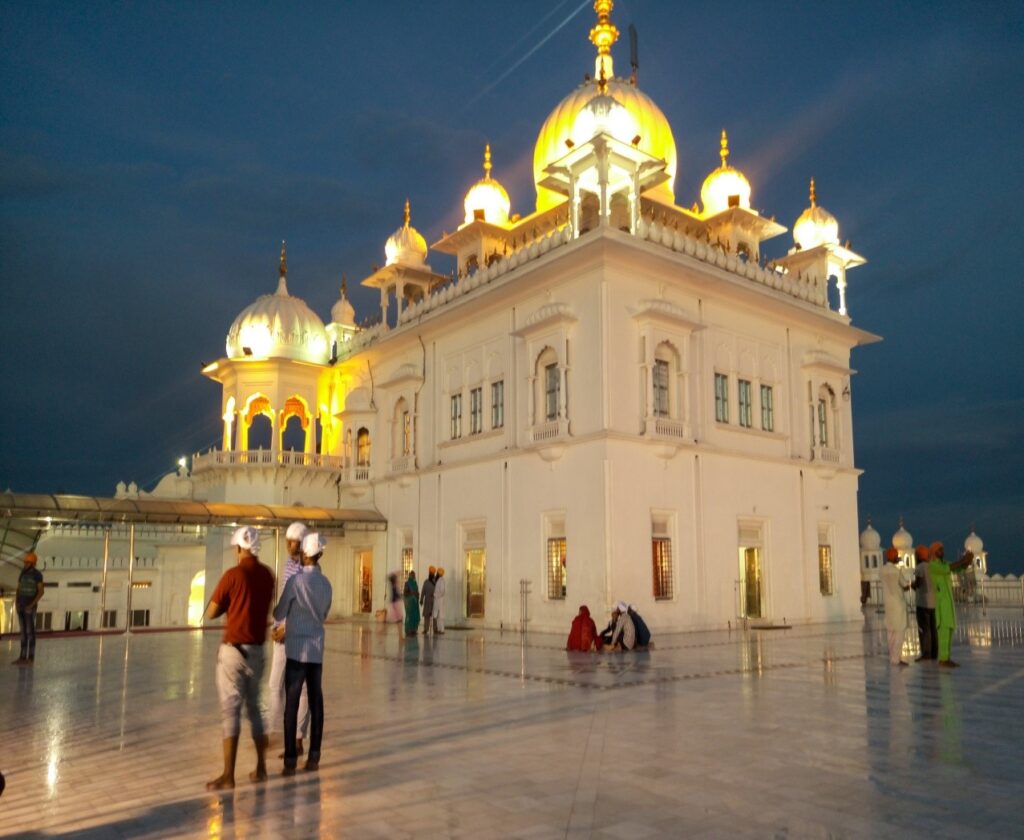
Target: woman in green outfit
[(945, 616), (412, 605)]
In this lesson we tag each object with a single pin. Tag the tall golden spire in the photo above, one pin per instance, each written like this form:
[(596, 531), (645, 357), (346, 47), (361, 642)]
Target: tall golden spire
[(724, 151), (487, 162), (407, 212), (602, 36), (814, 203), (283, 261), (344, 284)]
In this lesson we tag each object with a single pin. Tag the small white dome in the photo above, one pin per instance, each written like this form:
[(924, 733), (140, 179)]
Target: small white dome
[(870, 539), (406, 246), (815, 226), (725, 187), (901, 540), (278, 326), (487, 197), (974, 544), (343, 312)]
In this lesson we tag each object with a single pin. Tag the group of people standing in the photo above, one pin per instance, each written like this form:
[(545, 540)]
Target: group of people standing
[(625, 631), (245, 594), (932, 583), (430, 600)]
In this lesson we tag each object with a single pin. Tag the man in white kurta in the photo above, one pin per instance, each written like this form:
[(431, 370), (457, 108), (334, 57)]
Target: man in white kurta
[(439, 590), (894, 583)]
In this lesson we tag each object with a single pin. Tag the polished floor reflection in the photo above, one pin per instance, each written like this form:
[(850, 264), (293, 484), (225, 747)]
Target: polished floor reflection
[(794, 733)]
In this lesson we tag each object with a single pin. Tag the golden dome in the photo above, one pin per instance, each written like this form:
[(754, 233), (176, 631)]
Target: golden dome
[(725, 187), (816, 226), (647, 119), (406, 245), (487, 199)]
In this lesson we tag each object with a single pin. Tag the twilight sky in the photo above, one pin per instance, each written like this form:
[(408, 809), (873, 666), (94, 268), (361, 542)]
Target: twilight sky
[(153, 156)]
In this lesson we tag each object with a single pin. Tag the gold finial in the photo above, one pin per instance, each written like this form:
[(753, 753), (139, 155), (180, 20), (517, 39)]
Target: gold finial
[(724, 152), (407, 212), (487, 162), (603, 35), (283, 262), (602, 81), (344, 284), (814, 195)]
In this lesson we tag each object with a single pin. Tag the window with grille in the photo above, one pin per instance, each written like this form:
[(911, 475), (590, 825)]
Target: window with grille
[(660, 376), (661, 555), (407, 560), (745, 402), (456, 416), (721, 398), (363, 448), (140, 618), (476, 411), (497, 404), (767, 408), (556, 568), (822, 422), (551, 392), (825, 569), (406, 433), (110, 618)]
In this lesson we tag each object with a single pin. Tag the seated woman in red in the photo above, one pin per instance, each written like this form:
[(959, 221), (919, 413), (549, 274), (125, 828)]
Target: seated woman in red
[(583, 634)]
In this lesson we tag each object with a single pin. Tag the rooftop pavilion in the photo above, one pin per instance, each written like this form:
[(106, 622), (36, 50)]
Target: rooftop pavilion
[(798, 733)]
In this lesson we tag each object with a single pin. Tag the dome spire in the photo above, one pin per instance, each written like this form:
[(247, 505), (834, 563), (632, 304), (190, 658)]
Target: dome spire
[(602, 36), (724, 151), (814, 195), (282, 271), (487, 162), (407, 213), (344, 284)]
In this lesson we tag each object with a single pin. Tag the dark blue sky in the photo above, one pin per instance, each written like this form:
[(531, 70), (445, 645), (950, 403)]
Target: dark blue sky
[(152, 157)]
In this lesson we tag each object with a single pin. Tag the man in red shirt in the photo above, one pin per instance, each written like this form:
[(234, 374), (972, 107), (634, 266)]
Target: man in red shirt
[(245, 593)]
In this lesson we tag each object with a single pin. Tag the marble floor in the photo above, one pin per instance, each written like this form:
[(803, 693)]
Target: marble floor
[(806, 732)]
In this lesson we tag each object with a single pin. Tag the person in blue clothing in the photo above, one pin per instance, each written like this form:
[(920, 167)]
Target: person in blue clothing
[(30, 590)]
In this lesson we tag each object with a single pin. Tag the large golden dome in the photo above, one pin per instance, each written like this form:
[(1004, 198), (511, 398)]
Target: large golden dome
[(655, 134), (650, 124)]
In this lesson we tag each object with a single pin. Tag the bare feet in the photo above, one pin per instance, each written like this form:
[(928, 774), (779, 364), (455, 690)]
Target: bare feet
[(288, 771), (221, 783), (298, 748), (312, 765), (258, 775)]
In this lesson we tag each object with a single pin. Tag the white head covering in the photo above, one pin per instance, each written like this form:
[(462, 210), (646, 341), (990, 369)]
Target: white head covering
[(622, 607), (247, 537), (313, 544), (296, 531)]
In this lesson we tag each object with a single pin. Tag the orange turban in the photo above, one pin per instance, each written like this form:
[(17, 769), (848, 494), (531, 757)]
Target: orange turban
[(431, 569), (891, 554), (31, 557), (936, 547), (921, 552)]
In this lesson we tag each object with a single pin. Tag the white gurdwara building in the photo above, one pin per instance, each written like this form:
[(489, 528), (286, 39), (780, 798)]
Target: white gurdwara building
[(613, 397)]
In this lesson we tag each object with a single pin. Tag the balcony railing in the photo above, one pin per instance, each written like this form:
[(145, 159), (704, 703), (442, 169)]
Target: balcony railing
[(265, 458), (403, 463), (667, 428), (826, 455), (547, 431)]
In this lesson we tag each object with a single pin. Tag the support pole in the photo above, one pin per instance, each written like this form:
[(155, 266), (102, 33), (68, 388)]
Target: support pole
[(131, 573), (103, 583)]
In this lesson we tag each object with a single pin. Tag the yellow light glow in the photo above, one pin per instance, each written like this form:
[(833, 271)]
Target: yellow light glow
[(816, 226), (724, 188), (603, 115), (256, 336), (211, 367), (196, 603)]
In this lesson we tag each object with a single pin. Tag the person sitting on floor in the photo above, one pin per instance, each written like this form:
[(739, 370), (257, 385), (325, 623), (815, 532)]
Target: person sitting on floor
[(583, 634), (643, 632), (624, 635)]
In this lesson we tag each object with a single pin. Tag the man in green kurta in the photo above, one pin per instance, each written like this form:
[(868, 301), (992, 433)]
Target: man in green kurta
[(945, 615)]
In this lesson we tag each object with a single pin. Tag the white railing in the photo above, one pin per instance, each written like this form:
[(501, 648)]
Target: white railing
[(265, 458), (361, 473), (550, 430), (667, 427), (999, 590), (403, 463), (826, 454)]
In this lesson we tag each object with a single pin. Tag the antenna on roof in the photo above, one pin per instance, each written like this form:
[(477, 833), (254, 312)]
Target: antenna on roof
[(633, 61)]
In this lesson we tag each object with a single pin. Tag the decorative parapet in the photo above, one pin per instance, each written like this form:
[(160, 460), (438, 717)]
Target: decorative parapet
[(264, 458)]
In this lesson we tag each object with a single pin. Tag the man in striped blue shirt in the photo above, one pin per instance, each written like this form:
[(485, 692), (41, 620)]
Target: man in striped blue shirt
[(304, 604), (275, 711)]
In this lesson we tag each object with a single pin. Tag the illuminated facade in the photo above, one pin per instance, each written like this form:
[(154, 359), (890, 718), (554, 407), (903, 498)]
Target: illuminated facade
[(612, 397)]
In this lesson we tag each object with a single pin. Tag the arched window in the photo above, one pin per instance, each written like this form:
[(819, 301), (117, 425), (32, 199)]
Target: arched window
[(363, 447), (472, 264), (825, 417), (257, 423), (548, 386), (663, 381), (295, 419), (401, 441)]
